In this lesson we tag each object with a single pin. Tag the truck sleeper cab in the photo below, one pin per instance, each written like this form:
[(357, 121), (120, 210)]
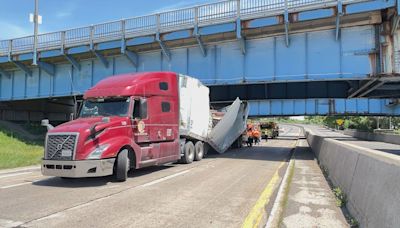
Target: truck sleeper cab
[(128, 122)]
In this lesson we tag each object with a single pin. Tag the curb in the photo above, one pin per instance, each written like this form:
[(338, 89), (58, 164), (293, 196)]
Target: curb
[(277, 209)]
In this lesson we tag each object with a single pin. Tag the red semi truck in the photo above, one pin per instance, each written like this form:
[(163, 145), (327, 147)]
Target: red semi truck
[(133, 121)]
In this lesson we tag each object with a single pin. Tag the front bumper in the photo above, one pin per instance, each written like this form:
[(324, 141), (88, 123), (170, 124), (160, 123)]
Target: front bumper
[(83, 168)]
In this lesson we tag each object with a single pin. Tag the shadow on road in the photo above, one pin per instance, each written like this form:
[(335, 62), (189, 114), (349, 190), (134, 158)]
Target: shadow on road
[(267, 151)]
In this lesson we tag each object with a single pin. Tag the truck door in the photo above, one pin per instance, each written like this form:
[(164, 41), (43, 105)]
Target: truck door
[(165, 127), (143, 128)]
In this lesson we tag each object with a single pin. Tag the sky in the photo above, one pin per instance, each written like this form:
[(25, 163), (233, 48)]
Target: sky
[(63, 14)]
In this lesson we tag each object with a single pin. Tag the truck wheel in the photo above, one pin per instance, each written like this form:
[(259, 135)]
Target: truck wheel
[(188, 152), (238, 143), (122, 166), (199, 151)]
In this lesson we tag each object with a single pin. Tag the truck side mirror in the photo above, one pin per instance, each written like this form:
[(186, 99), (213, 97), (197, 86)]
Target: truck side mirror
[(45, 123)]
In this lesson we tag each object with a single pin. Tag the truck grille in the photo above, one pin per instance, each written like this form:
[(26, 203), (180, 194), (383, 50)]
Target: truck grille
[(60, 146)]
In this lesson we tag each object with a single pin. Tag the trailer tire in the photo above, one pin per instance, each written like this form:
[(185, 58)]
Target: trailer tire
[(122, 166), (198, 151), (188, 153), (239, 142)]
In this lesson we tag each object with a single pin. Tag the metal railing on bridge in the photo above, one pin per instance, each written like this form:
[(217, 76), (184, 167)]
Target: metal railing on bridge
[(186, 18)]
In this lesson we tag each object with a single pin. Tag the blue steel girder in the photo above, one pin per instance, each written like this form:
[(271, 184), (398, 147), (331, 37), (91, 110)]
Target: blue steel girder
[(164, 47), (310, 107), (22, 67), (73, 61), (101, 57), (5, 73), (47, 67)]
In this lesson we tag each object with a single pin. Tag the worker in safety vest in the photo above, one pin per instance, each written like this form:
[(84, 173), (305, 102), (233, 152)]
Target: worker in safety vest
[(256, 135), (249, 135)]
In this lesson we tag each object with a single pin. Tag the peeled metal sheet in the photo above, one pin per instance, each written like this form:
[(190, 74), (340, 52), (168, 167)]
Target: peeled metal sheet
[(230, 127)]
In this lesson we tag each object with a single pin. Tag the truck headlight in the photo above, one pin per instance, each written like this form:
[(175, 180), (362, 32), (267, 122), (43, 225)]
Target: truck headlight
[(96, 153)]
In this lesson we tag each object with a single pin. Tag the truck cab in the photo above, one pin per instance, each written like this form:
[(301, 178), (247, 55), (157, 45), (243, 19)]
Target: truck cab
[(125, 122)]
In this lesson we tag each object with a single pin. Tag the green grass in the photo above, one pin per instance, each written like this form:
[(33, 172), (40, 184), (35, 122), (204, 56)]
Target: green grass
[(15, 152)]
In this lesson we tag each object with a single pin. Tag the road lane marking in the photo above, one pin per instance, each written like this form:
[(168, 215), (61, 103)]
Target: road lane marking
[(90, 202), (9, 223), (20, 184), (15, 185), (14, 174), (15, 170), (164, 178), (255, 215)]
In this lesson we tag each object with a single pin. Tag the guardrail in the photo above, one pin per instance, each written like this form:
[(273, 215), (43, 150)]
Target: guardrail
[(201, 15)]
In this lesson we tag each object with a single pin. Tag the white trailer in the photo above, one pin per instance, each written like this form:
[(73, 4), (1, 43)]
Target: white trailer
[(196, 130)]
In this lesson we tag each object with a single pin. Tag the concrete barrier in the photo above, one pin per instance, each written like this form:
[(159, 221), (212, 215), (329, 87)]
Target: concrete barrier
[(370, 179), (395, 139)]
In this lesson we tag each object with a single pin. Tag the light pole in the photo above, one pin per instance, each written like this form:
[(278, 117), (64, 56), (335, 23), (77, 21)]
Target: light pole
[(35, 31)]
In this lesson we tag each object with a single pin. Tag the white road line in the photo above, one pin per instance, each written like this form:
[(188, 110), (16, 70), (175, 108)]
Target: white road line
[(15, 170), (56, 214), (164, 178), (14, 174), (9, 223), (15, 185)]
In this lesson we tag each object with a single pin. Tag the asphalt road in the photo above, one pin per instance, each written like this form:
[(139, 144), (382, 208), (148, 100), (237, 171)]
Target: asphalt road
[(219, 191)]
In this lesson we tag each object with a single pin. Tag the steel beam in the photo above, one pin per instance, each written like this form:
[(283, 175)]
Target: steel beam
[(5, 73), (338, 15), (73, 61), (199, 41), (22, 67), (239, 36), (164, 47), (286, 19), (101, 57), (395, 23), (47, 67), (372, 88), (132, 56), (370, 82)]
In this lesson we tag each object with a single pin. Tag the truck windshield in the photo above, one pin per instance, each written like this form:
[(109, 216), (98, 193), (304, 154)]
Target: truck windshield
[(105, 107)]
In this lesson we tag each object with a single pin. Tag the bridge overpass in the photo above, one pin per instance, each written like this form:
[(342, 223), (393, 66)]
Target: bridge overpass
[(286, 57)]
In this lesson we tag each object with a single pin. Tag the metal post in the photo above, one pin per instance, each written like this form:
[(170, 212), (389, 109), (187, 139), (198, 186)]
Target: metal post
[(286, 21), (378, 123), (35, 32), (158, 23), (123, 41), (62, 45), (10, 43), (237, 8), (196, 16), (91, 37)]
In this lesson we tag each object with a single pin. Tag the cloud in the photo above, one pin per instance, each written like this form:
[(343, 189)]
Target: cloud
[(10, 30), (66, 11)]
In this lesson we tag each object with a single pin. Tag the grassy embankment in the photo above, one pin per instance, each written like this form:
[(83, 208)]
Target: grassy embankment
[(17, 152)]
